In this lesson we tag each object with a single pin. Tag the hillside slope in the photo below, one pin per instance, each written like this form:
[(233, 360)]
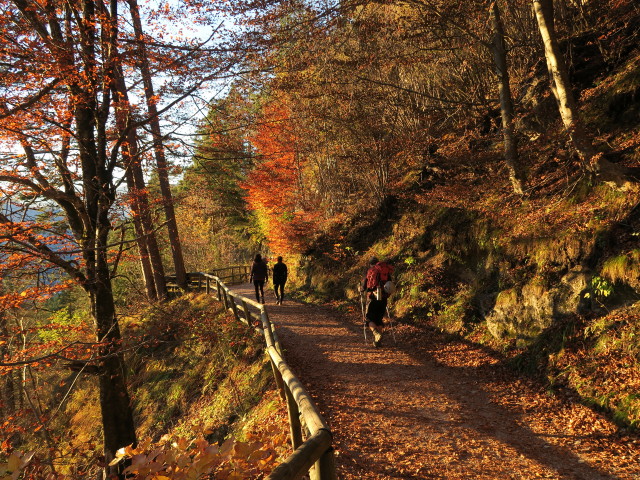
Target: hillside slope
[(549, 280)]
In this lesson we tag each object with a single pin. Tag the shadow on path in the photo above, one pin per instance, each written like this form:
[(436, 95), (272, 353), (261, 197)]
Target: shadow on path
[(400, 412)]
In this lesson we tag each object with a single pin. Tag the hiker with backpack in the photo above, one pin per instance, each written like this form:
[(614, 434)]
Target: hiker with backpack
[(259, 275), (279, 276), (377, 286)]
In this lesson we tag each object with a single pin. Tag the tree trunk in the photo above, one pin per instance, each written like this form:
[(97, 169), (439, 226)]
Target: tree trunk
[(150, 241), (561, 86), (150, 258), (115, 404), (499, 52), (8, 390), (145, 262), (158, 146), (100, 195)]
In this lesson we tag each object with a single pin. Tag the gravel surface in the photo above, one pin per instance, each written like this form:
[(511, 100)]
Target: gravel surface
[(425, 408)]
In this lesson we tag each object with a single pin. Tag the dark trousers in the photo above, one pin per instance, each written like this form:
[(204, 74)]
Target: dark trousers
[(279, 286), (376, 310), (259, 286)]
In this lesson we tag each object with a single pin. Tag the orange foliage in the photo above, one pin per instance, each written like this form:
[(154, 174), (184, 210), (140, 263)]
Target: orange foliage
[(275, 188)]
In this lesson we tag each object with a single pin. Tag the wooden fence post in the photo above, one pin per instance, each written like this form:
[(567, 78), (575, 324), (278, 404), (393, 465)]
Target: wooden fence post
[(225, 299), (295, 427), (326, 467), (234, 307), (247, 313), (279, 380), (208, 286)]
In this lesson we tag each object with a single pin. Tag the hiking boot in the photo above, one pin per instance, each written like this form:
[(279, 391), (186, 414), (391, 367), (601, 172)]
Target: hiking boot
[(377, 338)]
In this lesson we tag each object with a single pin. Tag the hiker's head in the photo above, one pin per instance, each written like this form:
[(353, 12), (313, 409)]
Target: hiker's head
[(258, 258), (373, 261), (279, 259)]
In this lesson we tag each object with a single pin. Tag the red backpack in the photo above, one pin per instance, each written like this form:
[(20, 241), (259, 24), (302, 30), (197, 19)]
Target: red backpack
[(385, 272), (378, 275)]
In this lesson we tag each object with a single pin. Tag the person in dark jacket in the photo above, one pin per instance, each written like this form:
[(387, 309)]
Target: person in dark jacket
[(280, 273), (259, 275)]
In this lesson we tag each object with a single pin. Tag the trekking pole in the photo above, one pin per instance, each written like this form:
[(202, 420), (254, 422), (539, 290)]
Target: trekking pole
[(364, 318), (393, 332)]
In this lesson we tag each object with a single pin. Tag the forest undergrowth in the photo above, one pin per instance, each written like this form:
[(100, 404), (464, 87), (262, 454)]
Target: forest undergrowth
[(204, 401)]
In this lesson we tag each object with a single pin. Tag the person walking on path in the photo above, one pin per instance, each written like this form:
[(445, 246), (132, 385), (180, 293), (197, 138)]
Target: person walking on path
[(280, 273), (259, 275), (378, 274)]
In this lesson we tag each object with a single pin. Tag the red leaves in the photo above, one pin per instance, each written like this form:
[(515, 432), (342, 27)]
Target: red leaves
[(16, 299)]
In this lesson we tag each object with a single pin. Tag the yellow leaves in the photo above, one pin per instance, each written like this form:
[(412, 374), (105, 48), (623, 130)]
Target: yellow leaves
[(12, 468)]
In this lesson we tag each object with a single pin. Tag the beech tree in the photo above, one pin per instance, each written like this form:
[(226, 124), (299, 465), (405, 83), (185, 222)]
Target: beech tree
[(507, 113), (69, 134), (150, 257), (561, 86), (276, 188), (60, 61)]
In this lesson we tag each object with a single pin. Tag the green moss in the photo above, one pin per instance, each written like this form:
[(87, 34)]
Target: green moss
[(622, 268), (627, 411), (507, 297)]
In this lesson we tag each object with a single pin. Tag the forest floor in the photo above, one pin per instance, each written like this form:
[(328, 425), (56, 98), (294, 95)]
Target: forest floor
[(428, 408)]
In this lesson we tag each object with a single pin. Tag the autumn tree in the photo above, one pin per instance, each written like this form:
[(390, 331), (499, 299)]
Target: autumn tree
[(68, 132), (150, 256), (276, 187), (346, 121), (55, 117), (498, 48), (567, 105)]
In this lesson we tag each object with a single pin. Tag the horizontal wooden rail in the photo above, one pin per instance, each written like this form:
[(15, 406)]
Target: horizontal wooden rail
[(313, 456), (195, 280)]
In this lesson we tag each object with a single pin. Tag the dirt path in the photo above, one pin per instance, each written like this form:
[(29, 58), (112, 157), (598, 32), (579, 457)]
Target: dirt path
[(428, 409)]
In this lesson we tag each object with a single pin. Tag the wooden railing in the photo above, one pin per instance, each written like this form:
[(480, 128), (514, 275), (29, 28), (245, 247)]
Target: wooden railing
[(195, 281), (311, 437)]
